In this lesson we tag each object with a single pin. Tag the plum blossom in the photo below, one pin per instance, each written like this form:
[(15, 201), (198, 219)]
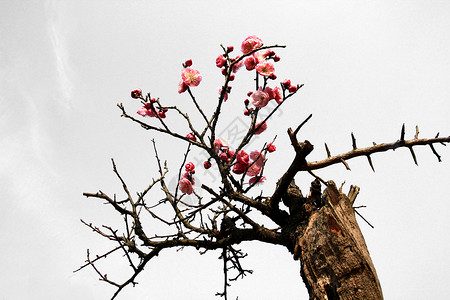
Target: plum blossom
[(191, 77), (260, 98), (253, 170), (271, 147), (237, 65), (265, 68), (136, 93), (191, 136), (277, 95), (220, 61), (250, 63), (189, 167), (257, 179), (185, 186), (242, 157), (239, 168), (251, 43), (144, 111), (262, 127), (182, 87), (292, 89), (257, 157), (225, 97), (218, 145)]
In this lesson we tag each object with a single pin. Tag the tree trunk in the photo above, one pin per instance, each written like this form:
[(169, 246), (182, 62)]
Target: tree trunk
[(335, 262)]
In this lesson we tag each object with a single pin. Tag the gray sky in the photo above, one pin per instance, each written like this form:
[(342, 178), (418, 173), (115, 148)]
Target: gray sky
[(368, 67)]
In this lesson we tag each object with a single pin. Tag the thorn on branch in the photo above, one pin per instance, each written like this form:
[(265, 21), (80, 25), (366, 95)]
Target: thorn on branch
[(402, 134), (345, 164), (435, 153), (413, 155), (328, 150), (370, 162), (416, 136), (353, 142)]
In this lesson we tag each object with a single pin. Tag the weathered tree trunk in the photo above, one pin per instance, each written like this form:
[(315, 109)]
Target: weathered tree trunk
[(335, 262)]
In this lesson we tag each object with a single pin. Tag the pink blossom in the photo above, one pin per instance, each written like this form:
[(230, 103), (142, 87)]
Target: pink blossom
[(260, 179), (218, 144), (189, 167), (191, 77), (225, 97), (253, 170), (146, 112), (223, 156), (277, 95), (242, 157), (257, 157), (182, 87), (250, 63), (261, 129), (237, 65), (269, 92), (136, 93), (239, 168), (260, 98), (251, 43), (185, 186), (230, 154), (220, 61), (265, 68)]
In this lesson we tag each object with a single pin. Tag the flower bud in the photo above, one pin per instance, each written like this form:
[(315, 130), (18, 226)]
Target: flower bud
[(188, 63), (191, 137), (207, 164), (136, 93)]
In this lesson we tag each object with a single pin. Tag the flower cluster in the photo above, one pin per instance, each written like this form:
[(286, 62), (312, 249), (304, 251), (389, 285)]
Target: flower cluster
[(251, 165), (151, 106), (186, 184)]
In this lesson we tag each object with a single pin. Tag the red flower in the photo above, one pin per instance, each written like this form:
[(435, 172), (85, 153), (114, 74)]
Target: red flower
[(182, 87), (286, 83), (189, 167), (292, 89), (191, 137), (191, 77), (259, 178), (265, 68), (261, 129), (239, 168), (250, 63), (251, 43), (260, 98), (136, 93), (271, 147), (242, 157), (185, 186), (220, 61)]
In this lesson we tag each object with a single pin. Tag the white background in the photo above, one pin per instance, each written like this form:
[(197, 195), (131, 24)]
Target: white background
[(368, 67)]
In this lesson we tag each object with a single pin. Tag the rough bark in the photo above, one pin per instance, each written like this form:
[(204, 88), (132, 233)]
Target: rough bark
[(335, 262)]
